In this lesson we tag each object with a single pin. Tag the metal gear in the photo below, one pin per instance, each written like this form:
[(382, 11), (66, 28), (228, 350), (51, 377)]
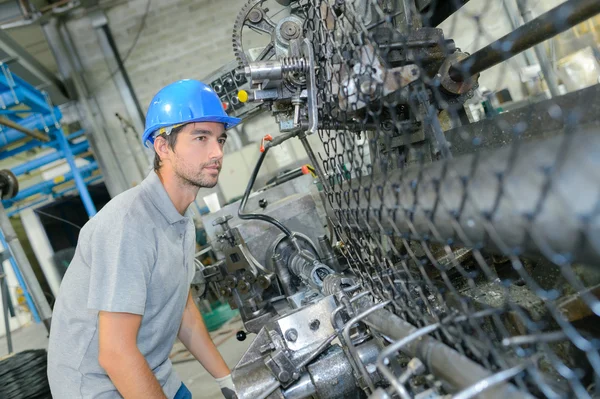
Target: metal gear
[(257, 19)]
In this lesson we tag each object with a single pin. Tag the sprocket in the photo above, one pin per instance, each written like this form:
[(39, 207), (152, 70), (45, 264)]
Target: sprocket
[(255, 17)]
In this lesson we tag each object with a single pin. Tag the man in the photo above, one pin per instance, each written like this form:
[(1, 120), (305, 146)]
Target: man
[(125, 296)]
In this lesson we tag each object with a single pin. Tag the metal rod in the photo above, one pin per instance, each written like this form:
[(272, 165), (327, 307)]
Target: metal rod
[(5, 308), (462, 200), (13, 125), (395, 347), (352, 348), (22, 264), (441, 360), (123, 70), (269, 390), (84, 194), (540, 52), (46, 159), (491, 381), (542, 28)]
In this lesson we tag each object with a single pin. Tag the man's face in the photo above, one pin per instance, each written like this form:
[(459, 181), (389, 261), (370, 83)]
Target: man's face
[(198, 153)]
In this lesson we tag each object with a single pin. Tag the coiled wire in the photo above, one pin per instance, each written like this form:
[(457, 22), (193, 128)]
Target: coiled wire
[(24, 376)]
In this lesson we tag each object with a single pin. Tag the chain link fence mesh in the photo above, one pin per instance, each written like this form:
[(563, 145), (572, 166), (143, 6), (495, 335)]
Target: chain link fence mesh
[(486, 233)]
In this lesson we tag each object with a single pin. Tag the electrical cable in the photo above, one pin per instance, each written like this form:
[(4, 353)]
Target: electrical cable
[(24, 375), (257, 216), (57, 218), (133, 45)]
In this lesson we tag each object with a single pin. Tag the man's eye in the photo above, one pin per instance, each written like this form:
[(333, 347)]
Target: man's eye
[(222, 141), (201, 138)]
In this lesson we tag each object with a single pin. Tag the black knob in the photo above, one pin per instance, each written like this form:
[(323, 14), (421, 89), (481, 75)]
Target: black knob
[(263, 203), (222, 220), (241, 335)]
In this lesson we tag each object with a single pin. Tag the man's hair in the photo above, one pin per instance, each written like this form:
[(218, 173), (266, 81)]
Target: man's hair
[(171, 140)]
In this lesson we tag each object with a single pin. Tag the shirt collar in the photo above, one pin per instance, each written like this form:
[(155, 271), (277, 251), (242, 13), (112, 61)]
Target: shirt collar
[(160, 198)]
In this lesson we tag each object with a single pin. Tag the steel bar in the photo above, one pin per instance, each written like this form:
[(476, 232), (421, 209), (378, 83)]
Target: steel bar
[(83, 191), (443, 361), (5, 307), (13, 125), (21, 281), (542, 28), (35, 121), (46, 159), (29, 279), (540, 52), (461, 200)]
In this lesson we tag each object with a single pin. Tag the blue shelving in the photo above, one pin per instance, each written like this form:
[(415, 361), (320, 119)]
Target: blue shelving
[(32, 110)]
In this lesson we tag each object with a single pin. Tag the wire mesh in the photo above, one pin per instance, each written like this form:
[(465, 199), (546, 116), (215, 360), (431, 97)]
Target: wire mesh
[(494, 241)]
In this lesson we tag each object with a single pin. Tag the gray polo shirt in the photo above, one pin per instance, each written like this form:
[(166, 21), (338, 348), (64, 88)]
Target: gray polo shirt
[(135, 256)]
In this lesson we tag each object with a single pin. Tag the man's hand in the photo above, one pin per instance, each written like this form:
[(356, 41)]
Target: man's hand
[(227, 387), (119, 355), (194, 335)]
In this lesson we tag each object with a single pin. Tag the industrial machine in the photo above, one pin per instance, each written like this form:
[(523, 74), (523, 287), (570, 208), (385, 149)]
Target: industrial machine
[(432, 257)]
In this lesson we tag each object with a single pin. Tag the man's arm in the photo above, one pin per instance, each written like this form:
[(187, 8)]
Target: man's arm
[(194, 335), (119, 355)]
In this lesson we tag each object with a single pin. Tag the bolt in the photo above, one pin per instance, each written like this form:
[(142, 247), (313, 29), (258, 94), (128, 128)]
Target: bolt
[(255, 16), (291, 335), (264, 282), (314, 325), (263, 203), (283, 376)]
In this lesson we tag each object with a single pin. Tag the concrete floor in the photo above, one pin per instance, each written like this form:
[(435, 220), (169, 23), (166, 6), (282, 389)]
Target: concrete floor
[(195, 377)]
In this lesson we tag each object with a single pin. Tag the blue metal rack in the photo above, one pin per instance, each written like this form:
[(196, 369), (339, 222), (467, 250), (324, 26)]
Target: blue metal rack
[(25, 109), (39, 115)]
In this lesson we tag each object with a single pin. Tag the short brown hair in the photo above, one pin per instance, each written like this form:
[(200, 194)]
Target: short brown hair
[(171, 140)]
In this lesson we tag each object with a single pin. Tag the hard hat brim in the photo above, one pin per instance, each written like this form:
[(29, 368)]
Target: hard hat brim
[(227, 121)]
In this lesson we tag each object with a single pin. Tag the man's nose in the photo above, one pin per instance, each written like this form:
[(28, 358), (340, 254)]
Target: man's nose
[(216, 151)]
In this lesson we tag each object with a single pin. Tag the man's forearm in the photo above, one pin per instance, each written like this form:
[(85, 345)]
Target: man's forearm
[(194, 335), (131, 375)]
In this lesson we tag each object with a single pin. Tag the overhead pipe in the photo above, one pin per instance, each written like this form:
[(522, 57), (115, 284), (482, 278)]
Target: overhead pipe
[(49, 158)]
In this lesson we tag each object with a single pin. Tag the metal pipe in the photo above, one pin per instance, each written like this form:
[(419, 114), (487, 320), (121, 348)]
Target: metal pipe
[(540, 53), (13, 125), (303, 388), (443, 361), (461, 200), (9, 136), (115, 177), (84, 194), (40, 303), (547, 25), (21, 281), (491, 381), (46, 159), (5, 307)]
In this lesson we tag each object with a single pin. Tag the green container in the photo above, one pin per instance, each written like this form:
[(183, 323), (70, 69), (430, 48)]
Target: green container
[(219, 315)]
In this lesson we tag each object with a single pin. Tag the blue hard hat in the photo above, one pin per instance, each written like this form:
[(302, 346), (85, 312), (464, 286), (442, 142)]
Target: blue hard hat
[(184, 101)]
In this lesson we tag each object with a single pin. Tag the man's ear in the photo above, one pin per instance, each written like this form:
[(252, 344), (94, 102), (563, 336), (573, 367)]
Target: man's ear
[(161, 147)]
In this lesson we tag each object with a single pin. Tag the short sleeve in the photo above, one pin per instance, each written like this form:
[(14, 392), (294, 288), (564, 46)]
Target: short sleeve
[(121, 264)]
